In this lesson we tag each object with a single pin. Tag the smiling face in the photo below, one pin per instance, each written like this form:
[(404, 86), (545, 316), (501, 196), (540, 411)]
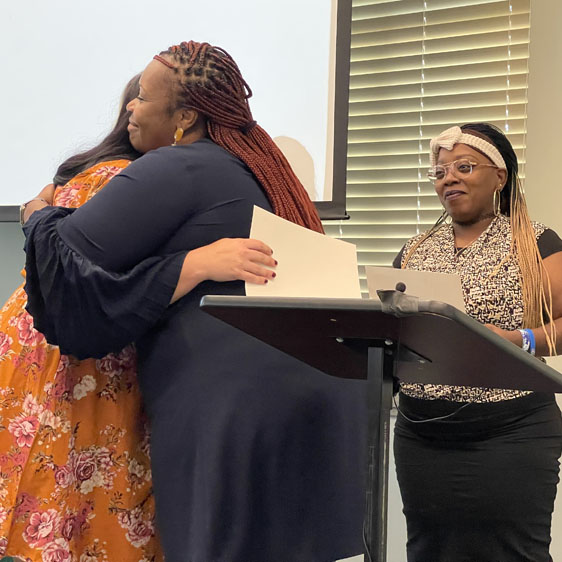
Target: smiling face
[(468, 197), (152, 122)]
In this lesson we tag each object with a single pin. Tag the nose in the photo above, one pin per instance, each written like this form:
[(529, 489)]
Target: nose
[(131, 105), (449, 175)]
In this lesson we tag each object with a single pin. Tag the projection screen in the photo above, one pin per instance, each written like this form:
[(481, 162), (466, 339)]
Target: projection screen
[(65, 64)]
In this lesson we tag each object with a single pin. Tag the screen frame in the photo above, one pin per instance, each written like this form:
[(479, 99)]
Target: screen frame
[(336, 208), (9, 213)]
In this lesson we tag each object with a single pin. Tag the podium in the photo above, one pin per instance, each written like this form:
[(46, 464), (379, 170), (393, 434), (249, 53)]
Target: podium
[(398, 338)]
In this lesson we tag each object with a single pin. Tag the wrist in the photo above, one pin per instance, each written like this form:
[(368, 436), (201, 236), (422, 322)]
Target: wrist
[(516, 338), (188, 279), (27, 208), (193, 271)]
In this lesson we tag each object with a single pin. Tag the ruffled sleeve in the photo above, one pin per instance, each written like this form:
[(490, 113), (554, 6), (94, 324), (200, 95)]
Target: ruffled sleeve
[(84, 309)]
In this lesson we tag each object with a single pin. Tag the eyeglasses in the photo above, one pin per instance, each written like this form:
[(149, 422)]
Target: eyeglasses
[(460, 168)]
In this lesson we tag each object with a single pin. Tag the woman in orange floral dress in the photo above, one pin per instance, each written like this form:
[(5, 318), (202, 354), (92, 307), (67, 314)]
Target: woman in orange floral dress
[(75, 480)]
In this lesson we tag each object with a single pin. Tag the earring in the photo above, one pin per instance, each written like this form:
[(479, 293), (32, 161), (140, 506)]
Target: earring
[(497, 202), (177, 136)]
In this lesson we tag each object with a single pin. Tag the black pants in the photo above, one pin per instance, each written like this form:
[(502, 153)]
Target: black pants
[(479, 486)]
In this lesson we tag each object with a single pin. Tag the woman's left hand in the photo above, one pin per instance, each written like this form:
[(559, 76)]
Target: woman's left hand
[(514, 336)]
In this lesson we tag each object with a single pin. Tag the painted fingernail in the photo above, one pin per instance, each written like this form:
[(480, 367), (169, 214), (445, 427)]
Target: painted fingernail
[(265, 282), (276, 262), (274, 274)]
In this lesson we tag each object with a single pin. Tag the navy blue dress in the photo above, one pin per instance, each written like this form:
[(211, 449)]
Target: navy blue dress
[(256, 456)]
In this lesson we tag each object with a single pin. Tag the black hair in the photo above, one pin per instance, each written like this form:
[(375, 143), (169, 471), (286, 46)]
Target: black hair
[(495, 136), (115, 146)]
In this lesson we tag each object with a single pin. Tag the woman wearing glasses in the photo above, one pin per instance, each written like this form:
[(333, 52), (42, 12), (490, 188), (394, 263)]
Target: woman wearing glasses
[(478, 484)]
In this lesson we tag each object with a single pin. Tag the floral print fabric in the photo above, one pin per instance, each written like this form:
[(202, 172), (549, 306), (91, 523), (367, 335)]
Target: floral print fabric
[(75, 480)]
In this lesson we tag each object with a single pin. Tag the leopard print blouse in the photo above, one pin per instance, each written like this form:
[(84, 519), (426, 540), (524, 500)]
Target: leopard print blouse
[(490, 280)]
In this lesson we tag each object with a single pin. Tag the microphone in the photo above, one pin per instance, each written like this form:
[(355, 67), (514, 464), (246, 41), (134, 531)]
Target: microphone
[(400, 287)]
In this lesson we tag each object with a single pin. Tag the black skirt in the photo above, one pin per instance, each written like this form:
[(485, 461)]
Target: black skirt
[(479, 486)]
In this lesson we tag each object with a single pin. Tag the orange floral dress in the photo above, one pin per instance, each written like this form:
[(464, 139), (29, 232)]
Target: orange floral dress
[(75, 479)]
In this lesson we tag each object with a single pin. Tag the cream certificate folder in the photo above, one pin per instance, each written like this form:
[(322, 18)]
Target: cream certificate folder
[(310, 264), (426, 285)]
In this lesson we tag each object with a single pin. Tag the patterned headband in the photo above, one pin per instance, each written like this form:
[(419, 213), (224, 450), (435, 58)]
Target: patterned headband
[(447, 139)]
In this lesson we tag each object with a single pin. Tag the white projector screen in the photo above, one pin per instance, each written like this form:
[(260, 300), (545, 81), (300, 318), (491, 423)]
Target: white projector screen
[(65, 64)]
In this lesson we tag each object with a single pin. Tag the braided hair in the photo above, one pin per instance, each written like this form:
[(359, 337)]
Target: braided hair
[(210, 82), (534, 277)]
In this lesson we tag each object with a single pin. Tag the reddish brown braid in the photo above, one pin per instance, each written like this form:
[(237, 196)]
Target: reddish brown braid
[(211, 83)]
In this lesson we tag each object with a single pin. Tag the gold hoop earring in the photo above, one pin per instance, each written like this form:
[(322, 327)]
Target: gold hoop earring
[(178, 135), (497, 202)]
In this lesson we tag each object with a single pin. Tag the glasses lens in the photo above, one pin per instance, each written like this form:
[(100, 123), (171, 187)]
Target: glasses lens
[(459, 168), (438, 172), (463, 167)]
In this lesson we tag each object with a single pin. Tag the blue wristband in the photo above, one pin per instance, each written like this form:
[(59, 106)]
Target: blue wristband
[(528, 341), (532, 343)]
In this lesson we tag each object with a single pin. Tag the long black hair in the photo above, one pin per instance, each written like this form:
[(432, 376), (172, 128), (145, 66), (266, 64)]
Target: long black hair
[(115, 146)]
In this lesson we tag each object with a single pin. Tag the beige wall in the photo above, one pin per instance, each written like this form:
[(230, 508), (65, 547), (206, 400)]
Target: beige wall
[(544, 112), (544, 150)]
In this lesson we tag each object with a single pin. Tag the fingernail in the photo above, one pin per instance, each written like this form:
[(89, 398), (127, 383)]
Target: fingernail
[(274, 274), (265, 282), (276, 262)]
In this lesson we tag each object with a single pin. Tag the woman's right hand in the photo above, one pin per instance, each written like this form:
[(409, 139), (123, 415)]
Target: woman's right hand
[(228, 259)]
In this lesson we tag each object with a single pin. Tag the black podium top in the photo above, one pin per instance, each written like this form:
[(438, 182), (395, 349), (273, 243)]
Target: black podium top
[(434, 342)]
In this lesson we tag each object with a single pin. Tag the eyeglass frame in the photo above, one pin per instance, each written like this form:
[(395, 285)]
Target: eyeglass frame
[(452, 164)]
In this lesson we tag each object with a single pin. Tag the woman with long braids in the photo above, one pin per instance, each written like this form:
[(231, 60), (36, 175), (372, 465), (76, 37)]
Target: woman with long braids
[(255, 456), (75, 462), (478, 467)]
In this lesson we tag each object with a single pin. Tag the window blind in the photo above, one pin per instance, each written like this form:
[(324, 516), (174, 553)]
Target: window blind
[(417, 68)]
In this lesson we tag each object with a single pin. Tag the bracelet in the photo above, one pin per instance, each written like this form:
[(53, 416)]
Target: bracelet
[(528, 344), (24, 205), (533, 346)]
